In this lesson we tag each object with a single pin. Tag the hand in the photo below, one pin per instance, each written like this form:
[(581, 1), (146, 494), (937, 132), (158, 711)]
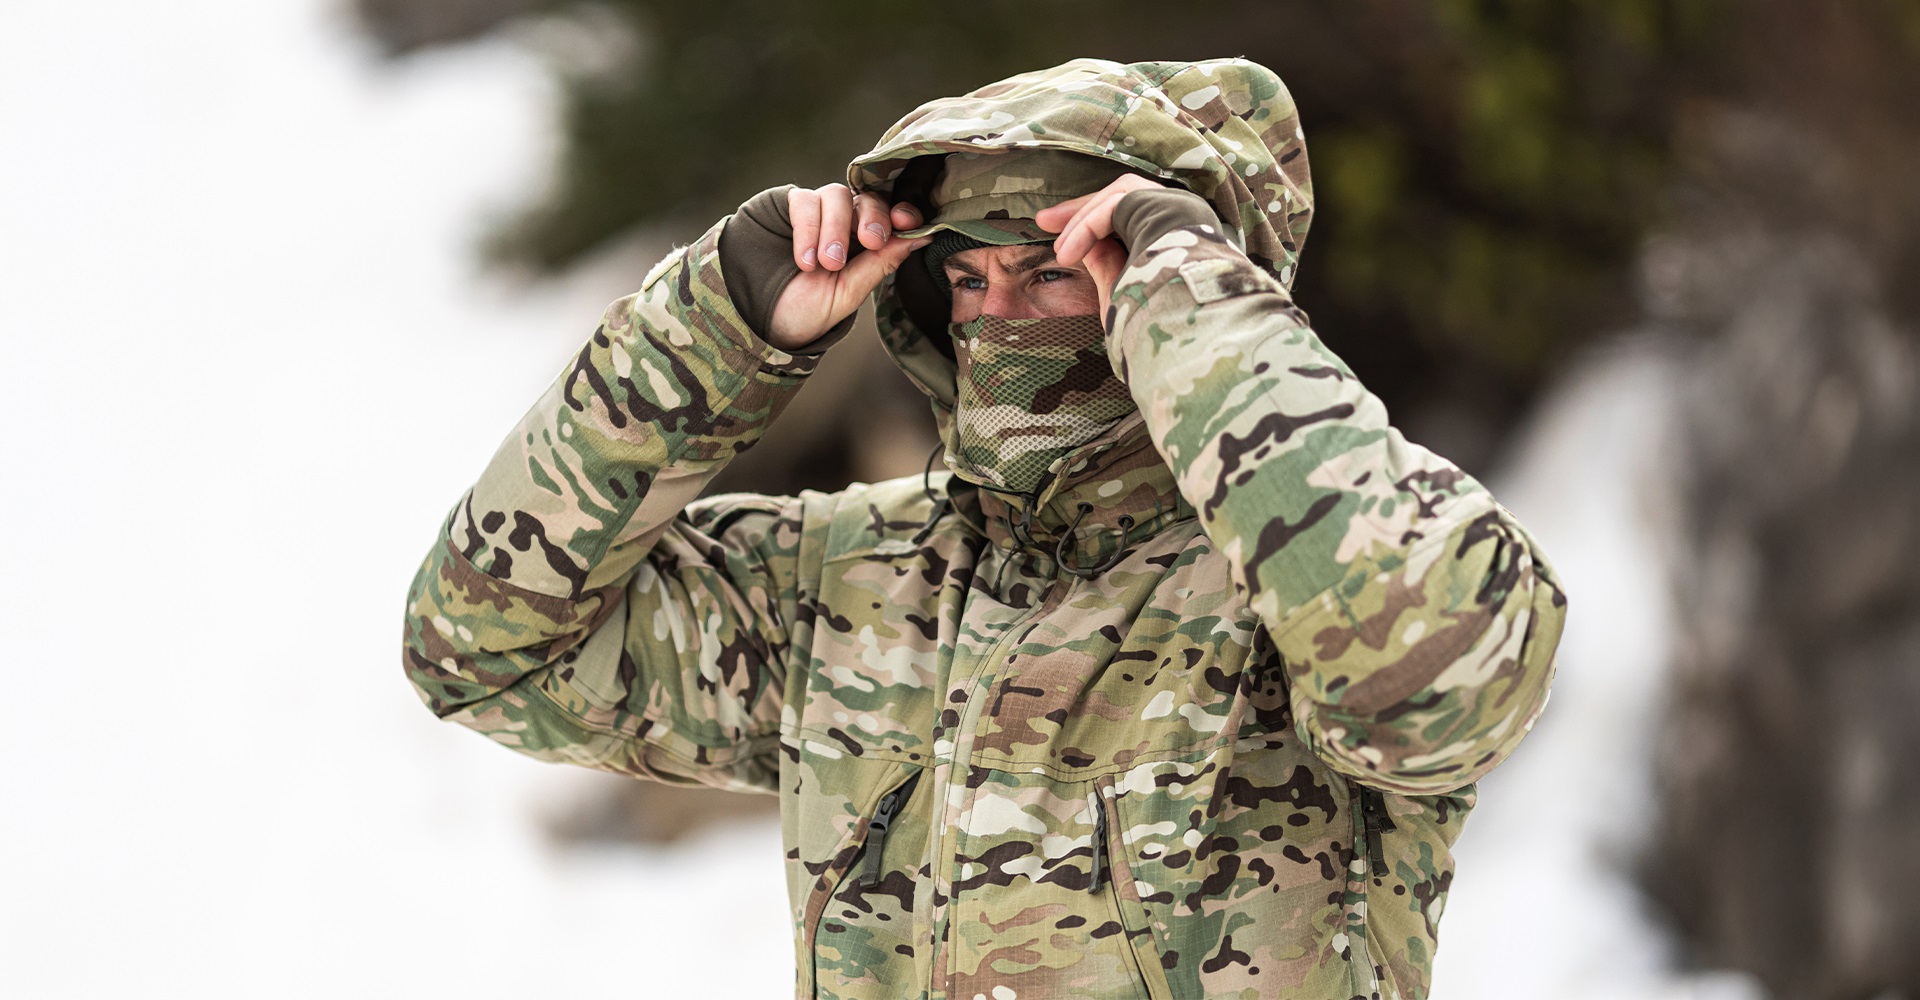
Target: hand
[(1085, 225), (835, 277)]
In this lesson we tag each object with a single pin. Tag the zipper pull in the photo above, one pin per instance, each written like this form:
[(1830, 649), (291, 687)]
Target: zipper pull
[(1373, 809), (1383, 819), (1097, 868), (878, 826)]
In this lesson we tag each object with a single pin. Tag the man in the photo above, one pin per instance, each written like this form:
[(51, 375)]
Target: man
[(1175, 685)]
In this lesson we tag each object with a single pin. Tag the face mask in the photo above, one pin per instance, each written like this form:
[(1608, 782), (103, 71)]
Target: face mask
[(1029, 391)]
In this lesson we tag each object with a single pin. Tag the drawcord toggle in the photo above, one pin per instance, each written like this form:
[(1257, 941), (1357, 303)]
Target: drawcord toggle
[(1088, 573)]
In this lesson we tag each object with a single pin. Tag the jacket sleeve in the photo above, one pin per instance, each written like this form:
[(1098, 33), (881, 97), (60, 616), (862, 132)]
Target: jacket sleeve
[(1417, 618), (570, 608)]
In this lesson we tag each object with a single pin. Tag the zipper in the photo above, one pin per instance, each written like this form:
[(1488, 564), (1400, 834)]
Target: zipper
[(1370, 823), (1097, 867), (1113, 870), (1016, 633), (1373, 814), (884, 813), (883, 816)]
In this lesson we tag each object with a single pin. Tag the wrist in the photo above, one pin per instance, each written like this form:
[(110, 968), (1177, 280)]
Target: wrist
[(756, 260), (1142, 217)]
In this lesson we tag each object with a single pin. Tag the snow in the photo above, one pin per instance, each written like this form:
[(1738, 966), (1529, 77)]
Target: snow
[(249, 363), (1542, 903), (249, 366)]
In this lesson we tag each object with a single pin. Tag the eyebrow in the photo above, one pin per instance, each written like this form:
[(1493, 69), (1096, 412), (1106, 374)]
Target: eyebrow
[(1032, 259)]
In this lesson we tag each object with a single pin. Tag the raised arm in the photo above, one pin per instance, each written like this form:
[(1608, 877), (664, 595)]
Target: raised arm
[(575, 607), (1417, 618)]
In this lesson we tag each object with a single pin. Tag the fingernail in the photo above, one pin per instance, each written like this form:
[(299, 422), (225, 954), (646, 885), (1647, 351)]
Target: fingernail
[(806, 258), (922, 241), (876, 229), (835, 251)]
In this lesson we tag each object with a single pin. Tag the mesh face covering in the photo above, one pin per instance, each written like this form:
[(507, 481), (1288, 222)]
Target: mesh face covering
[(1029, 391)]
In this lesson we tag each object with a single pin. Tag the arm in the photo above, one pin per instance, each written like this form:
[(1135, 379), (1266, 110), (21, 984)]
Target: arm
[(1418, 620), (571, 609)]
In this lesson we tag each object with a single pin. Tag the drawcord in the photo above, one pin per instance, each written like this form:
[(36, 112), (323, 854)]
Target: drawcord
[(1088, 573), (1024, 526), (941, 505)]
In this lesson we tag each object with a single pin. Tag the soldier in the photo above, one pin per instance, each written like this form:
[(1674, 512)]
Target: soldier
[(1175, 684)]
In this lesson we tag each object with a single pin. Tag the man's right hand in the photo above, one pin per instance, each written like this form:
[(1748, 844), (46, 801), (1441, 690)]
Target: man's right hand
[(835, 277)]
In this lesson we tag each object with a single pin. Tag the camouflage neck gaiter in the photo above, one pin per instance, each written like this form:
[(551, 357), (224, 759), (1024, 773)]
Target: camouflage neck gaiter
[(1029, 391)]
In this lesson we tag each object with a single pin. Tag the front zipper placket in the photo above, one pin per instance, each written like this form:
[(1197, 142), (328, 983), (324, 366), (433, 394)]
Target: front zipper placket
[(966, 727)]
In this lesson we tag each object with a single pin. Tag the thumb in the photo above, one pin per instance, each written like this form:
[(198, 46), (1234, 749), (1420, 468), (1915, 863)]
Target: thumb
[(863, 274)]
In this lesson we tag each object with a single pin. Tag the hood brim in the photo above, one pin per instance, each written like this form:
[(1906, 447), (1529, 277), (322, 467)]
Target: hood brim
[(994, 232)]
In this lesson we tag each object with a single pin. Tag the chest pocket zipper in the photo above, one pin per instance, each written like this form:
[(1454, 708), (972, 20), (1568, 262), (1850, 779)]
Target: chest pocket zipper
[(1373, 813), (1097, 866), (883, 816), (1111, 870)]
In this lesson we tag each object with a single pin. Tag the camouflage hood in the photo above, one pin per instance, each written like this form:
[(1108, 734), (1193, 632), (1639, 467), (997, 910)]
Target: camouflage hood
[(1225, 129)]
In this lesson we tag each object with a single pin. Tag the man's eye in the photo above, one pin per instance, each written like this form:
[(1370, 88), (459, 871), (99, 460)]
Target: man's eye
[(1053, 274), (969, 282)]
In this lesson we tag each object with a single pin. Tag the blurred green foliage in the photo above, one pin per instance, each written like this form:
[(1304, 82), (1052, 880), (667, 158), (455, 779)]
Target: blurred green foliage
[(1484, 167)]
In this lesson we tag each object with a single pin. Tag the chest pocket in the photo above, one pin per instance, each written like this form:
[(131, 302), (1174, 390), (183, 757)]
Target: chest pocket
[(865, 941), (1236, 870)]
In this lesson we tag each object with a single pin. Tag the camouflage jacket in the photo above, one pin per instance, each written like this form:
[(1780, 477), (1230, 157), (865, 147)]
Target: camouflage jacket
[(1229, 763)]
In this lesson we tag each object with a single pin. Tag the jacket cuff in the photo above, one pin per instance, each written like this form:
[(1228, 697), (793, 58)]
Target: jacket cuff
[(1143, 216), (756, 258)]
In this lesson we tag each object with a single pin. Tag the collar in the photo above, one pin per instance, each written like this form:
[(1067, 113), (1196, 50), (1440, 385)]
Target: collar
[(1097, 500)]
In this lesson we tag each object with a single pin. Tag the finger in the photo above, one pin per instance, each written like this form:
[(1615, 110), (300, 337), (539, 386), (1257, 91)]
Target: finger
[(863, 275), (1071, 245), (803, 209), (871, 216), (1093, 222), (1055, 218), (1105, 260), (905, 216), (836, 225)]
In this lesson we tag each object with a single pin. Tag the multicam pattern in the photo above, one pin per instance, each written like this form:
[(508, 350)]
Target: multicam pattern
[(1230, 765), (994, 199), (1027, 392)]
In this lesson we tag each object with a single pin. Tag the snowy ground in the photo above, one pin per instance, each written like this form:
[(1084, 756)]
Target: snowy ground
[(248, 363)]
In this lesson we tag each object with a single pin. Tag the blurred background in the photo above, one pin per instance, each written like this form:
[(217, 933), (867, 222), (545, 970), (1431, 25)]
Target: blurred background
[(278, 276)]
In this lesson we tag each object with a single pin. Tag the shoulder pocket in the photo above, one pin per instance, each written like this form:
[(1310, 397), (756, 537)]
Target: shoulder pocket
[(1216, 278)]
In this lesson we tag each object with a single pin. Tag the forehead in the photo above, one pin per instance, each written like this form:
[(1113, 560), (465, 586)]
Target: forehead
[(1024, 257)]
